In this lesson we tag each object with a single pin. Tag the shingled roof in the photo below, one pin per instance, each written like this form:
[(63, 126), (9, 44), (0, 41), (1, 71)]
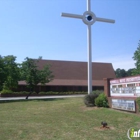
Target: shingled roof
[(75, 73)]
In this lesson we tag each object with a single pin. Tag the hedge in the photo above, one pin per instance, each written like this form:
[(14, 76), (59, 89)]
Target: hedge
[(24, 93)]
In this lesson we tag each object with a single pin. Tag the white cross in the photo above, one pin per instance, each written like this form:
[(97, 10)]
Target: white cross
[(88, 18)]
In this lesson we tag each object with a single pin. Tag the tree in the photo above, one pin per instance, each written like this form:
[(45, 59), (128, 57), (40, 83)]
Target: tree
[(136, 58), (10, 72), (120, 73), (33, 76), (40, 57), (130, 72), (2, 73)]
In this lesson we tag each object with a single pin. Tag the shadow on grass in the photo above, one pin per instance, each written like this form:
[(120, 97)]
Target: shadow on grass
[(24, 100)]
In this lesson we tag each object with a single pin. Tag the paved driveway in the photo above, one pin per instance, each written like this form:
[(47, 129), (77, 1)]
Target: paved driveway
[(40, 97)]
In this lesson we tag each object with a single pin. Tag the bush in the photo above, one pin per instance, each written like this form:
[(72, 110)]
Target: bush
[(6, 91), (34, 92), (42, 93), (138, 102), (23, 92), (61, 93), (98, 92), (101, 101), (48, 93), (89, 99)]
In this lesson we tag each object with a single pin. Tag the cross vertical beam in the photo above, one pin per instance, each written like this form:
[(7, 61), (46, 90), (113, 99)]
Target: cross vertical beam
[(89, 50), (88, 18), (88, 5)]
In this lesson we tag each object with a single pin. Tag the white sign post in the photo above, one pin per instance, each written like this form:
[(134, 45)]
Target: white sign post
[(88, 18)]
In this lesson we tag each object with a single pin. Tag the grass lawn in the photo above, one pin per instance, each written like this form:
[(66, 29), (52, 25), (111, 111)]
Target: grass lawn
[(62, 119)]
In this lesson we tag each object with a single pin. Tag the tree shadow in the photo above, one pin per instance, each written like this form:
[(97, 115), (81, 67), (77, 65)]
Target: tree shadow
[(29, 100)]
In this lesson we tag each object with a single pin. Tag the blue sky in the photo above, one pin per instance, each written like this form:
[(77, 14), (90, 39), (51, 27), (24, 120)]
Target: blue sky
[(33, 28)]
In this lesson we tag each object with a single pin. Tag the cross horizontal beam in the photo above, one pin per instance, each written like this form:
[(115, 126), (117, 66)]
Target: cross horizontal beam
[(105, 20), (81, 17), (71, 15)]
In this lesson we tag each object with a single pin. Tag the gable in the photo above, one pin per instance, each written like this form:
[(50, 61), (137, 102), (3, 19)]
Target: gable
[(73, 70)]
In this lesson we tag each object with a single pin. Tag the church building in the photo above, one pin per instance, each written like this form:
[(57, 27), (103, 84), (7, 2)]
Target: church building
[(72, 76)]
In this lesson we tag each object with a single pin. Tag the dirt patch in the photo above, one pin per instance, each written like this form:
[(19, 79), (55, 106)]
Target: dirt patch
[(103, 129)]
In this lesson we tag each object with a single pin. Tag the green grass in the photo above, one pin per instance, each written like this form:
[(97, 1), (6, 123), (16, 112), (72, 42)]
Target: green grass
[(62, 119)]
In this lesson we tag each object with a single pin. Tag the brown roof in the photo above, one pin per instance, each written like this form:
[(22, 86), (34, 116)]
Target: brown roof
[(65, 82), (75, 73)]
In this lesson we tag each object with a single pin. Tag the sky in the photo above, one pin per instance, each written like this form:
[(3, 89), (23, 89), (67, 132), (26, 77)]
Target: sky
[(33, 28)]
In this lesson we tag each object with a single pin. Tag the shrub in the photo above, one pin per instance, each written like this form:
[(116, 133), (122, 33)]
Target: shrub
[(61, 93), (138, 102), (55, 93), (98, 92), (24, 92), (6, 91), (70, 92), (101, 101), (49, 93), (34, 92), (15, 93), (89, 99), (42, 93)]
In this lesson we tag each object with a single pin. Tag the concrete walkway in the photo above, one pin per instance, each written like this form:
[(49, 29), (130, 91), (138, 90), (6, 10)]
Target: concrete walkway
[(39, 97)]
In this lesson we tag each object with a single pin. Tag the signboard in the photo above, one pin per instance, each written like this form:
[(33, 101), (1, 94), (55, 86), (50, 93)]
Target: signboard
[(128, 105), (123, 90), (125, 80), (127, 87)]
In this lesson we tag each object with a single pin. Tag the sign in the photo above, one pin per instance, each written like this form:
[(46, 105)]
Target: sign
[(127, 87), (125, 80), (128, 105), (124, 90)]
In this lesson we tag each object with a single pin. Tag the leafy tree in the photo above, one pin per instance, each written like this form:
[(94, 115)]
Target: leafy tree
[(33, 76), (10, 72), (130, 72), (136, 58), (120, 73), (40, 57), (2, 73), (123, 73)]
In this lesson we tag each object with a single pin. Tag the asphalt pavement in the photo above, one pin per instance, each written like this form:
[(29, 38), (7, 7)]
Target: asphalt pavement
[(39, 97)]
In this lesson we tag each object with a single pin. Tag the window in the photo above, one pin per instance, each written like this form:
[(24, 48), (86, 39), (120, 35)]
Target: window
[(130, 85), (119, 86), (114, 89), (79, 88)]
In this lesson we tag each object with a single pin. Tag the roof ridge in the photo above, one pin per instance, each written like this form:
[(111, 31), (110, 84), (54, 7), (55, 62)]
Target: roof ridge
[(72, 61)]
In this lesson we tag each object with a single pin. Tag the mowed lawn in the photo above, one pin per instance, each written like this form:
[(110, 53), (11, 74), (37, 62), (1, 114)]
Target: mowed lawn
[(62, 119)]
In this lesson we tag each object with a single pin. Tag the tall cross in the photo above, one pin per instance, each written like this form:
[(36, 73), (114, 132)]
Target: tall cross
[(89, 19)]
